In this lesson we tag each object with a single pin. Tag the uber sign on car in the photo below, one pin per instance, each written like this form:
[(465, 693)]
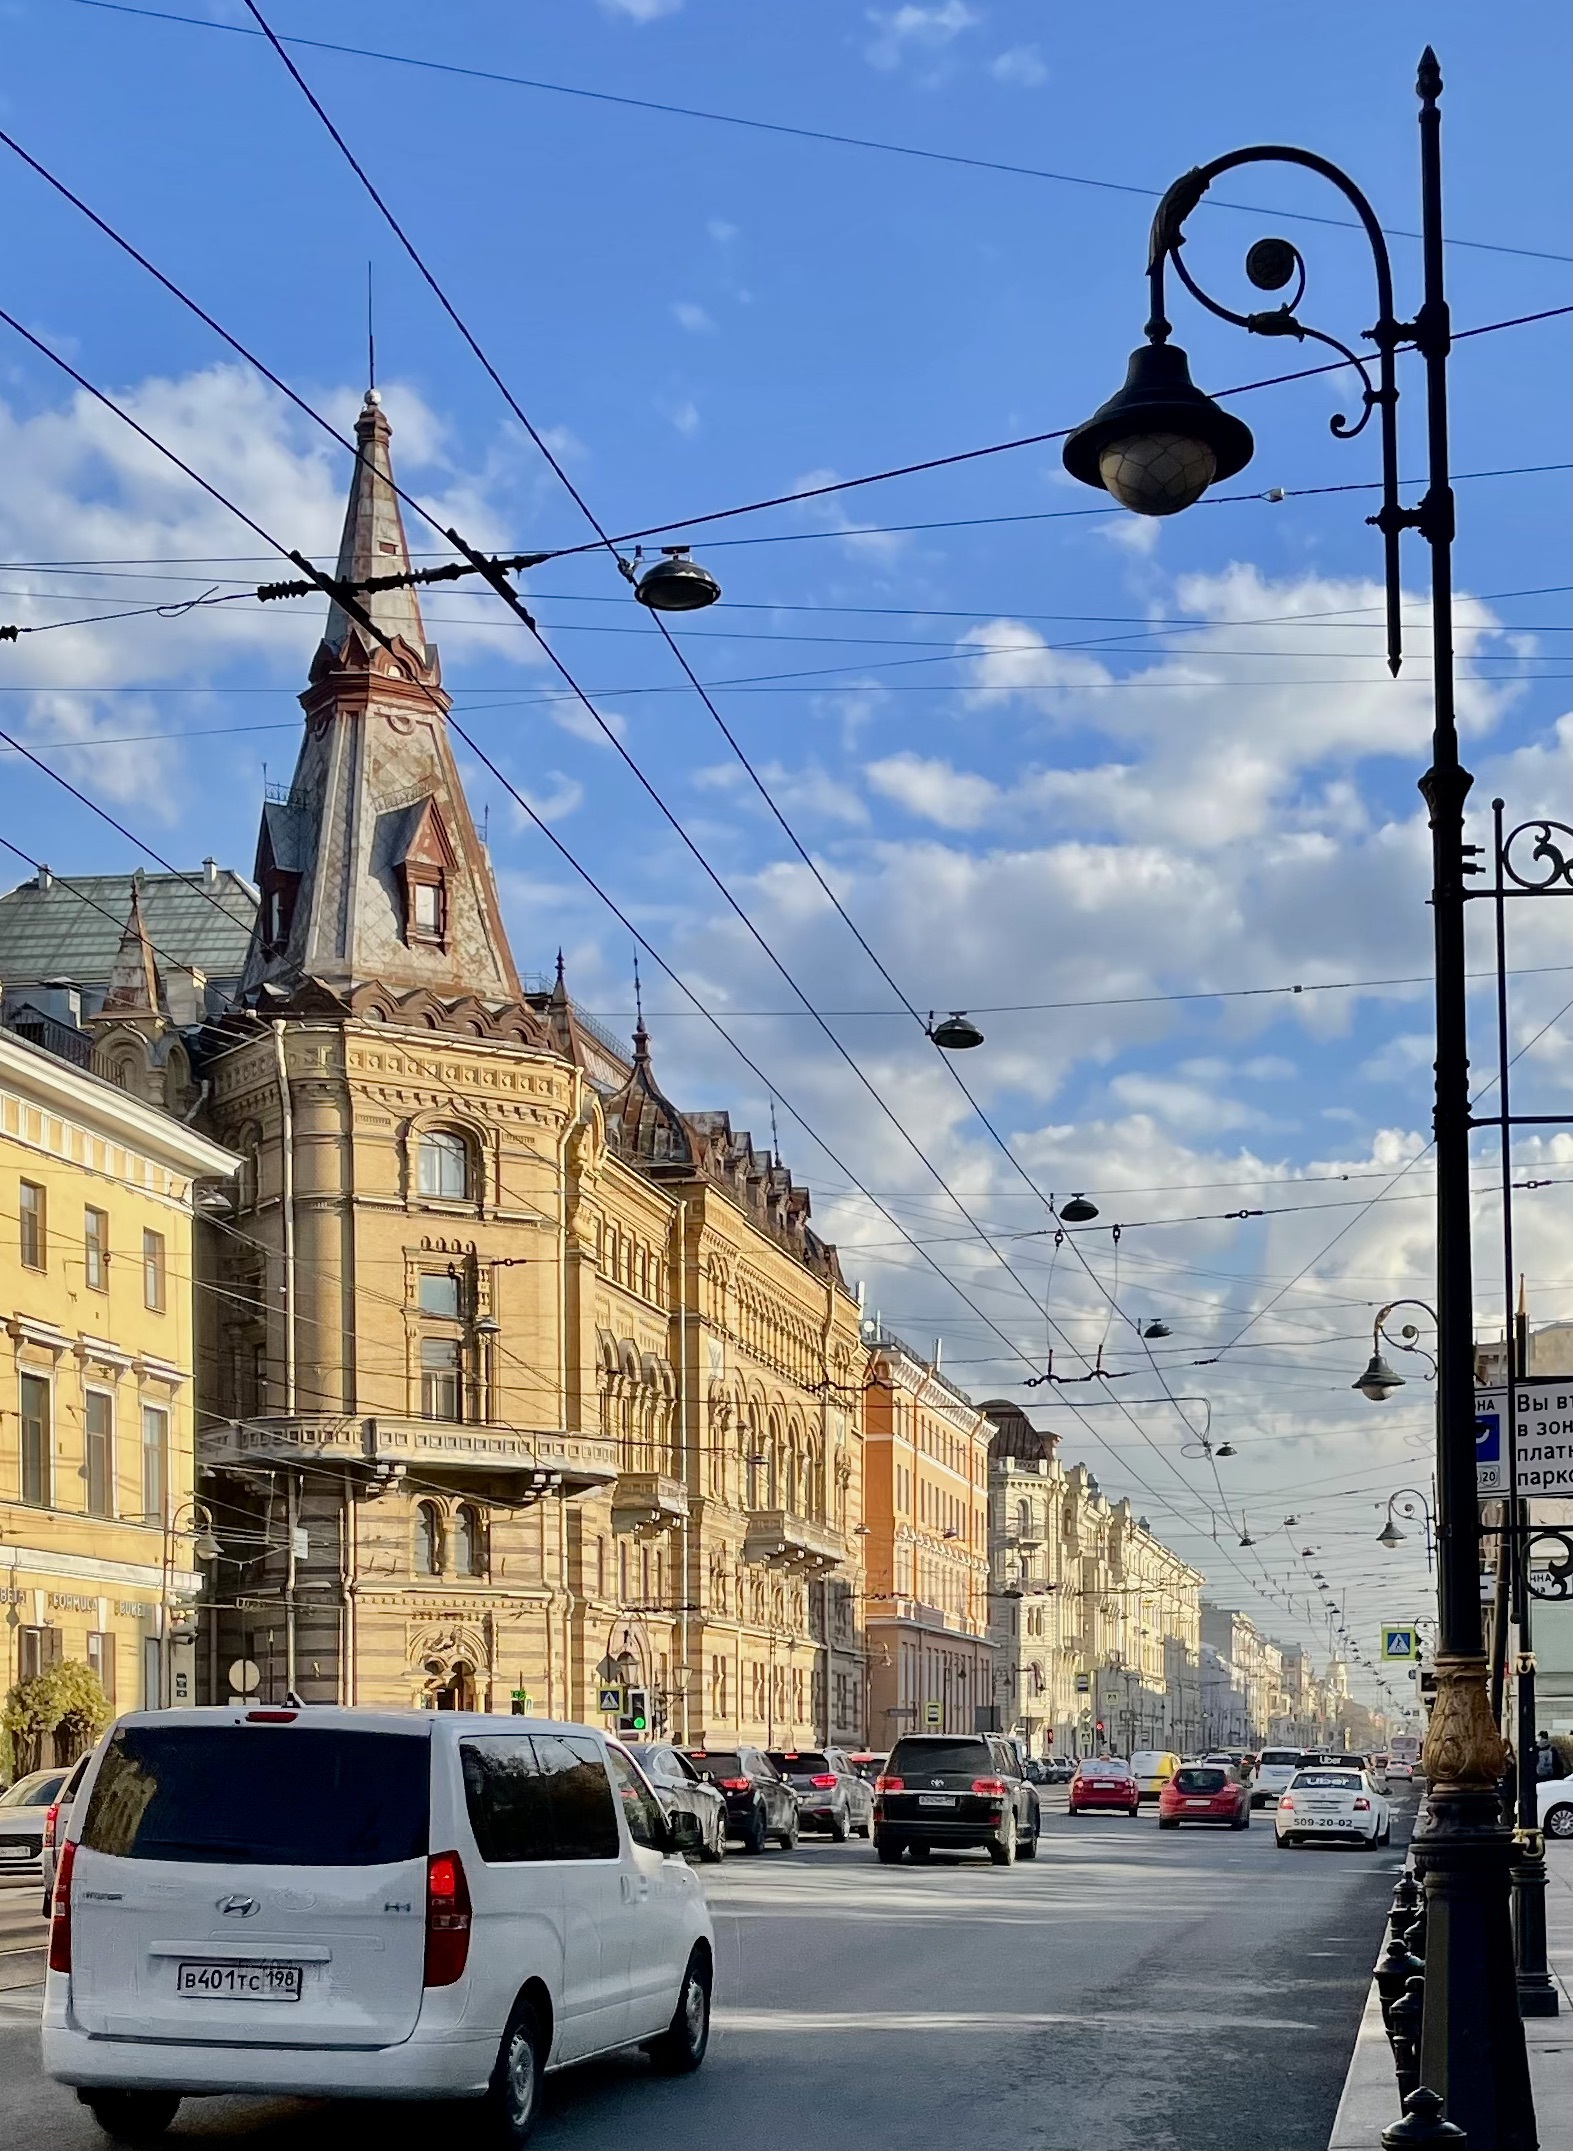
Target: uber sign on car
[(1542, 1437)]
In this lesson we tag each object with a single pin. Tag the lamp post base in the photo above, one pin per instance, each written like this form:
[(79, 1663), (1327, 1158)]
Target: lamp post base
[(1472, 2041), (1537, 1990)]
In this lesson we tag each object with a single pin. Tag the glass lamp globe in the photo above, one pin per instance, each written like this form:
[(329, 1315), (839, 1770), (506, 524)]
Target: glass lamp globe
[(1157, 473)]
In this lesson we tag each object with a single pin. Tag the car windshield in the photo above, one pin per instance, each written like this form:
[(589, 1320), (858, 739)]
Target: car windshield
[(717, 1762), (1327, 1781), (1201, 1780), (33, 1792), (908, 1757), (799, 1762), (264, 1796), (1280, 1758)]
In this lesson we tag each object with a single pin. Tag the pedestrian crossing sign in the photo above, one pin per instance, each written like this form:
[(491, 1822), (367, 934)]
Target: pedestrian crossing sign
[(1399, 1641), (610, 1701)]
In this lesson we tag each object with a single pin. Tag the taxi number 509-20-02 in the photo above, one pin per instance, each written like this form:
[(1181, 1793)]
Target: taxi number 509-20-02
[(238, 1982)]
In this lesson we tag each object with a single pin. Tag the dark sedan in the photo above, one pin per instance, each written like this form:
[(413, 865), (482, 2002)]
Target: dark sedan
[(760, 1805), (678, 1785), (830, 1794), (954, 1789)]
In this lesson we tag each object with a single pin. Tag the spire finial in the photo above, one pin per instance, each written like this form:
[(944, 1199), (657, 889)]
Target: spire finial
[(775, 1140), (371, 341), (559, 967), (638, 998)]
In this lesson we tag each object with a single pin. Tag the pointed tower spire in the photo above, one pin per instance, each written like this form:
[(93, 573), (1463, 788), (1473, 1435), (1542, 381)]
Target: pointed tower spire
[(373, 542), (135, 988), (370, 871)]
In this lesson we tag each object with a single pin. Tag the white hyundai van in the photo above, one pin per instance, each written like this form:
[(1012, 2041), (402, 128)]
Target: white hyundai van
[(365, 1904)]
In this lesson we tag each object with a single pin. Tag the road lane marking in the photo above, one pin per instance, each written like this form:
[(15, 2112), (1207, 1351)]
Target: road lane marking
[(782, 2022)]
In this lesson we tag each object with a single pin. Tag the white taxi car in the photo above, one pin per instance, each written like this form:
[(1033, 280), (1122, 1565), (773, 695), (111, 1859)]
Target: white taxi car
[(366, 1904), (1329, 1804)]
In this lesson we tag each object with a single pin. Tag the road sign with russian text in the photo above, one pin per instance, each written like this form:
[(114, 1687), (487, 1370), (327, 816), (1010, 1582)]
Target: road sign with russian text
[(1541, 1437)]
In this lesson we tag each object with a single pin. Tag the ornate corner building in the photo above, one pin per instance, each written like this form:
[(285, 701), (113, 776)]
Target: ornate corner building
[(510, 1370)]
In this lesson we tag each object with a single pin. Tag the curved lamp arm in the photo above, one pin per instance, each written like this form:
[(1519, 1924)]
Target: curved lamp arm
[(1273, 264)]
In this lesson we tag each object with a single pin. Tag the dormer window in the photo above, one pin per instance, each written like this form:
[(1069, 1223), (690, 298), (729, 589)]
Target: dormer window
[(278, 909), (428, 908)]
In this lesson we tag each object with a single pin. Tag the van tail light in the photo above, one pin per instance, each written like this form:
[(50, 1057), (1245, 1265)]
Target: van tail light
[(826, 1782), (51, 1823), (885, 1785), (60, 1910), (1362, 1805), (991, 1788), (735, 1784), (447, 1919)]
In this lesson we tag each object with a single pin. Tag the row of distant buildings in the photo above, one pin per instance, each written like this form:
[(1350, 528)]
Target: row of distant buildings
[(383, 1333)]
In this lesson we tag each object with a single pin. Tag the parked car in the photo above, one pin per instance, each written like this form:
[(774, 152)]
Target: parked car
[(1211, 1792), (1556, 1806), (1102, 1782), (1275, 1769), (677, 1785), (868, 1764), (351, 1903), (1059, 1769), (760, 1805), (1152, 1769), (55, 1814), (23, 1809), (955, 1789), (830, 1794), (1331, 1803)]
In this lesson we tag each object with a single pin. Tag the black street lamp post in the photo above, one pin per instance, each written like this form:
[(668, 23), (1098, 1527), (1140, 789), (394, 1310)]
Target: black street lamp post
[(1156, 446)]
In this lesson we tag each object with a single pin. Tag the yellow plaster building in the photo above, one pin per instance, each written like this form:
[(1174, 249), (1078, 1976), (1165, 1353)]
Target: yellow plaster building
[(512, 1372), (97, 1526)]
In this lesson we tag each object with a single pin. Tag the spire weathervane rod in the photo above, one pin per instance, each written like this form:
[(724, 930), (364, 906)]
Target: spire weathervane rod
[(371, 340)]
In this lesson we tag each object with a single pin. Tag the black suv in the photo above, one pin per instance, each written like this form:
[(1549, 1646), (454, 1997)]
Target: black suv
[(759, 1803), (955, 1789)]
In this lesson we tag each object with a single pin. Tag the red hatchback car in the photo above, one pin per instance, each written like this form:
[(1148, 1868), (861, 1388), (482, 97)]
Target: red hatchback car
[(1103, 1781), (1205, 1792)]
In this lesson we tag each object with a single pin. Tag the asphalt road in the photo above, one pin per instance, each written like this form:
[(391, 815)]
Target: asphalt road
[(1193, 1991)]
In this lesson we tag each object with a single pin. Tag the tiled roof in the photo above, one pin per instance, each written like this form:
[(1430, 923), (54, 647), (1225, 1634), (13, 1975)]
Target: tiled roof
[(72, 929)]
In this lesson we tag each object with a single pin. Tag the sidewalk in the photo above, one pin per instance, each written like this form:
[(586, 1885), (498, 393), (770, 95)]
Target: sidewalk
[(1370, 2100)]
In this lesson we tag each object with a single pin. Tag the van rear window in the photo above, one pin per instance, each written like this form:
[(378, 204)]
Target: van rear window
[(262, 1796)]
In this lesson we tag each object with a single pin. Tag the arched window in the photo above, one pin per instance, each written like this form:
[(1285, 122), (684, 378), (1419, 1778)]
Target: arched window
[(428, 1539), (443, 1167), (1024, 1518), (469, 1542)]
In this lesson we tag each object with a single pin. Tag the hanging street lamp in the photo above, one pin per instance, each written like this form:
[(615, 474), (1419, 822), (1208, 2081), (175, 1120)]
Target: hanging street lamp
[(674, 583), (1078, 1211), (957, 1033), (1156, 446)]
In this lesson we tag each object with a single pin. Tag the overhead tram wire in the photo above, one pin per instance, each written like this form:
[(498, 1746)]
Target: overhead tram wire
[(803, 493), (654, 954), (784, 128)]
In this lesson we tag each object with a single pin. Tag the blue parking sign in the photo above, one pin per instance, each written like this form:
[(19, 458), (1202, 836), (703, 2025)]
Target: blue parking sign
[(1488, 1437)]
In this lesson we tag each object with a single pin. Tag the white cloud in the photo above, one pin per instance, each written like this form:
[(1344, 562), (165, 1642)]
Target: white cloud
[(691, 317), (934, 791), (907, 30), (721, 231), (563, 798), (1021, 65), (684, 416), (641, 11)]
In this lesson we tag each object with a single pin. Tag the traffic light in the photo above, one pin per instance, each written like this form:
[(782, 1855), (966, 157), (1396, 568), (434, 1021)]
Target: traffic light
[(636, 1712), (1098, 1728)]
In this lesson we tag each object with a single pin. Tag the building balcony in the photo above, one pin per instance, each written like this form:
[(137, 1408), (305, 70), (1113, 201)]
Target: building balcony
[(642, 1499), (575, 1463), (782, 1540)]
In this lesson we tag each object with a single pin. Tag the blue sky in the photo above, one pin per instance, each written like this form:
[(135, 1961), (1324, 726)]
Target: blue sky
[(1058, 759)]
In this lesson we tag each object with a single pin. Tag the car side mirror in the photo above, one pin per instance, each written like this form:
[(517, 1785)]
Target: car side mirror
[(683, 1832)]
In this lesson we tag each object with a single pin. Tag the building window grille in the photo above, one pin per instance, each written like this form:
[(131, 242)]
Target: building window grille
[(428, 1539), (36, 1416), (440, 1378), (155, 1462), (33, 1203), (154, 1285), (98, 1427), (95, 1249), (443, 1167)]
